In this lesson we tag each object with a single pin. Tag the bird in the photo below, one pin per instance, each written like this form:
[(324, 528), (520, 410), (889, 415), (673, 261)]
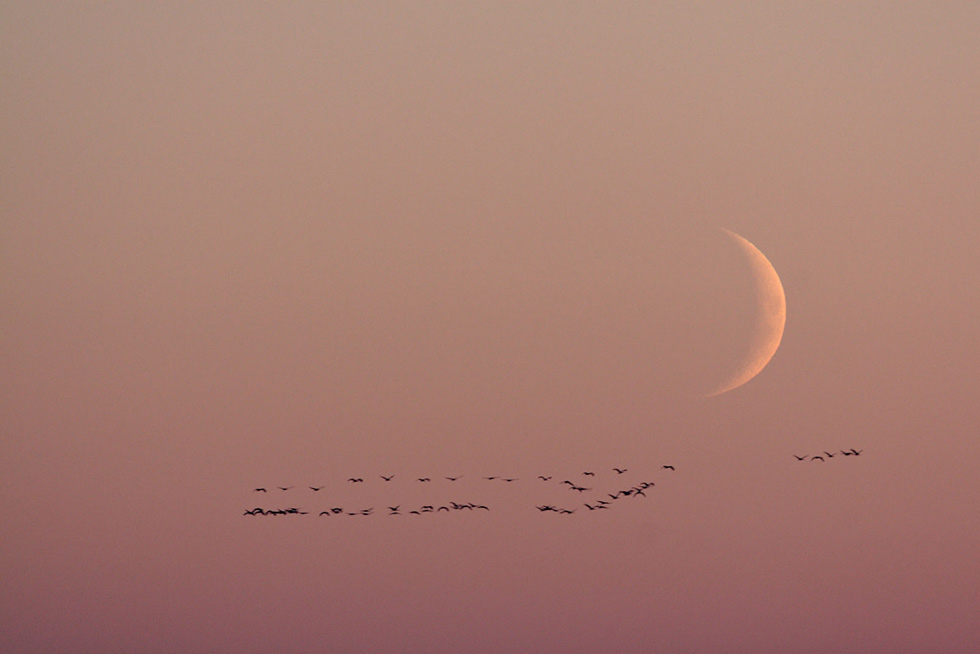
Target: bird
[(856, 452), (325, 513), (800, 458), (355, 479), (543, 478), (668, 467), (510, 479), (489, 478), (590, 474), (847, 453), (285, 488), (453, 478), (388, 478), (394, 509), (619, 471), (442, 508), (336, 510), (546, 507), (260, 490), (829, 455), (315, 488), (816, 458), (424, 479)]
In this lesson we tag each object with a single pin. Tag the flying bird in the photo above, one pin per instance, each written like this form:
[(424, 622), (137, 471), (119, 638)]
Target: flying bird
[(285, 488), (668, 467), (590, 474), (388, 478), (800, 458), (619, 471), (315, 488), (424, 479), (816, 458), (355, 479), (856, 452), (453, 478), (829, 455), (260, 490), (543, 478)]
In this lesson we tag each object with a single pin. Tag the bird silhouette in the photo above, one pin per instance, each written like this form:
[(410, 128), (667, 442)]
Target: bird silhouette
[(590, 474), (508, 479), (829, 455), (800, 458), (816, 458), (619, 471), (285, 488), (453, 478), (394, 508), (260, 490), (315, 488), (424, 479), (355, 479), (388, 478), (543, 478), (856, 452), (327, 513), (668, 467)]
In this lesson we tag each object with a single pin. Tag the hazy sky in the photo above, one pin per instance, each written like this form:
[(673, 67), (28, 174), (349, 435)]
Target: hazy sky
[(285, 244)]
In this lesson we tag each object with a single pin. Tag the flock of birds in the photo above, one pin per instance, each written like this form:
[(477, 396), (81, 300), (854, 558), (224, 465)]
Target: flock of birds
[(827, 455), (584, 483)]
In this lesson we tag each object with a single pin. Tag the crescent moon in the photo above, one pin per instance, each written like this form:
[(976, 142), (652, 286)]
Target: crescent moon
[(770, 320)]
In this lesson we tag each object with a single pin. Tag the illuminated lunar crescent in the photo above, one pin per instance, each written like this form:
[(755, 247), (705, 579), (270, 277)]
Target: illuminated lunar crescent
[(770, 318)]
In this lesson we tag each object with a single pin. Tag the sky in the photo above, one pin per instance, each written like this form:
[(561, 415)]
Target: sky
[(255, 245)]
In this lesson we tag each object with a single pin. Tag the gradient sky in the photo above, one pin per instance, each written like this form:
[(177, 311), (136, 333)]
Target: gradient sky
[(261, 244)]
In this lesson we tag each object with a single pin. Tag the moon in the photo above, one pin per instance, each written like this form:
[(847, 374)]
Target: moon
[(770, 318)]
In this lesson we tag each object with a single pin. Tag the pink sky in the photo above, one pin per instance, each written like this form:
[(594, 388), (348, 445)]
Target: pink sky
[(259, 244)]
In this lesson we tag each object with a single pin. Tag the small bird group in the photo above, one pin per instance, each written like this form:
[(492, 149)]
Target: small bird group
[(827, 455), (290, 511)]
